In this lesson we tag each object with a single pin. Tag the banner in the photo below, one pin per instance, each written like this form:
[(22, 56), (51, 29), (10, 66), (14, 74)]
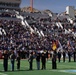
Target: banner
[(54, 46)]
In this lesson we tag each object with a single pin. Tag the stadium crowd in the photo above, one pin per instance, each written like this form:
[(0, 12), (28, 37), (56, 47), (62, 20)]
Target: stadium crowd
[(15, 37), (7, 14)]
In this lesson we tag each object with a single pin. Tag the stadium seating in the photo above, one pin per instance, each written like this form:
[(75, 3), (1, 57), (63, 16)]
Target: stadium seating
[(35, 31)]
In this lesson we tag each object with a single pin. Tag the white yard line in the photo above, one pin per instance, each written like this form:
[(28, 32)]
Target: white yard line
[(65, 71)]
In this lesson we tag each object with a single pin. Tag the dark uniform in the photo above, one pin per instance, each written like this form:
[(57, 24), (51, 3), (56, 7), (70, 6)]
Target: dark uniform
[(5, 60), (54, 66), (59, 55), (31, 61), (64, 55), (12, 60), (74, 53), (43, 60), (38, 61), (47, 55), (18, 62), (69, 55)]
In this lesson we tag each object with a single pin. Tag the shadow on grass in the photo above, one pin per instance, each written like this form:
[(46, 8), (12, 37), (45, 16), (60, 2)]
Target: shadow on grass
[(39, 70), (17, 70)]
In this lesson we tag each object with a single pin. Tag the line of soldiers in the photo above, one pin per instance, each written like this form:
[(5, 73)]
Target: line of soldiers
[(12, 57), (70, 54), (42, 57), (38, 56)]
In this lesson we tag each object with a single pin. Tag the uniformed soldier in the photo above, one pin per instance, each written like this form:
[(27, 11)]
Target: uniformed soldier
[(64, 55), (59, 55), (54, 65), (18, 61), (5, 60), (74, 54), (69, 55), (12, 57), (31, 61), (47, 54), (43, 60), (38, 61)]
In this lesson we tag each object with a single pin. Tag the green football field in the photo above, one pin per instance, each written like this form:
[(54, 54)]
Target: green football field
[(62, 69)]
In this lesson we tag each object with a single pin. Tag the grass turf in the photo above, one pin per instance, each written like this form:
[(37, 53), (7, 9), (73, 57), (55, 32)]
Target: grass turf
[(61, 68)]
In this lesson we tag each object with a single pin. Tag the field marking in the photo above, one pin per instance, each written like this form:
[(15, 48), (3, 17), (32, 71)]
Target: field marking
[(65, 71), (3, 74)]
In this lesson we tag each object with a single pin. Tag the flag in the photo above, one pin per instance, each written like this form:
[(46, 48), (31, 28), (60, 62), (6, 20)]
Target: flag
[(54, 46)]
